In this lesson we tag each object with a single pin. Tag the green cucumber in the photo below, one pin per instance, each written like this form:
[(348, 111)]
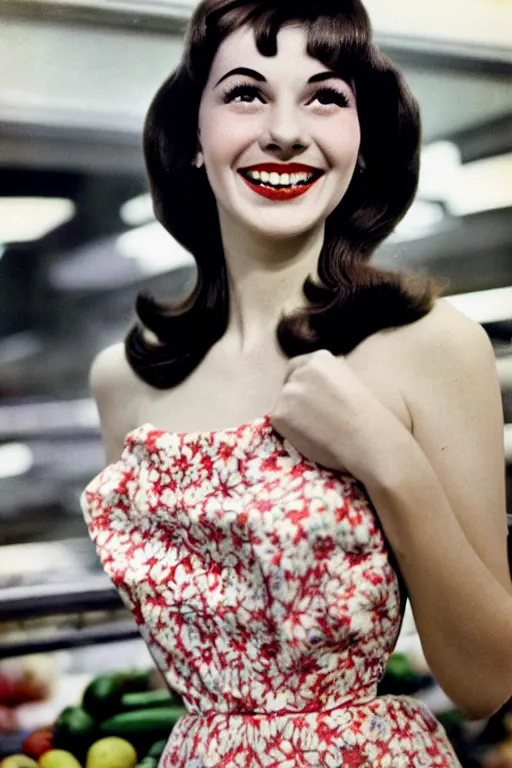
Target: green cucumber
[(136, 680), (102, 697), (142, 721), (157, 748), (146, 699), (74, 731), (148, 762)]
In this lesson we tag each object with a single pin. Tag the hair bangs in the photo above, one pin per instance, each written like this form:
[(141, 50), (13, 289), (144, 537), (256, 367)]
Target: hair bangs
[(338, 34)]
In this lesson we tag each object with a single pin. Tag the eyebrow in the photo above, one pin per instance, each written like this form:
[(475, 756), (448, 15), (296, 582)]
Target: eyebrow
[(318, 78)]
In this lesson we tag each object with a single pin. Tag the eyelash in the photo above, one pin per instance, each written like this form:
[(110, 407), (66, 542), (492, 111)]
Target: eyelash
[(337, 97)]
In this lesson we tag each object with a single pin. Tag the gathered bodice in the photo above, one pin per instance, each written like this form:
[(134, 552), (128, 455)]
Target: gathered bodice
[(261, 581)]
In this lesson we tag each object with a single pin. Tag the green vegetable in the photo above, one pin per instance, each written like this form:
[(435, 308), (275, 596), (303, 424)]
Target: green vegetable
[(102, 697), (148, 762), (400, 668), (157, 748), (145, 699), (135, 680), (75, 731), (452, 718), (143, 721)]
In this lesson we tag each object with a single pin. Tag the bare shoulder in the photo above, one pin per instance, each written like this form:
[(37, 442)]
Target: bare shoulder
[(441, 343), (118, 393), (106, 368)]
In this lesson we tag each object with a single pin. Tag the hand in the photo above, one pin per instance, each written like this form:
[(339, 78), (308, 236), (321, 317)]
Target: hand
[(332, 418)]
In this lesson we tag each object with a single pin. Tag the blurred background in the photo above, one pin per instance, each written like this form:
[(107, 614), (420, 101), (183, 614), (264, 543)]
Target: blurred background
[(78, 242)]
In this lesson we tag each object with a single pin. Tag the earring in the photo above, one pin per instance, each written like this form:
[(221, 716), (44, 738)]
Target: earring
[(361, 164), (198, 160)]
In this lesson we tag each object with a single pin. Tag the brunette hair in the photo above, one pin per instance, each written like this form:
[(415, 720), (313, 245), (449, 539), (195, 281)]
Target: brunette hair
[(353, 299)]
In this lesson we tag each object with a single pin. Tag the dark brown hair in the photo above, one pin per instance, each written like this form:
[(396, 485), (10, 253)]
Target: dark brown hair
[(353, 299)]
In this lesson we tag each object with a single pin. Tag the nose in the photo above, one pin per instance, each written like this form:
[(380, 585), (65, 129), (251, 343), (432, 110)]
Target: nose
[(284, 134)]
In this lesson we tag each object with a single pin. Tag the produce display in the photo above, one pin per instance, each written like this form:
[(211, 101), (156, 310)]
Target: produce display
[(122, 720), (120, 723)]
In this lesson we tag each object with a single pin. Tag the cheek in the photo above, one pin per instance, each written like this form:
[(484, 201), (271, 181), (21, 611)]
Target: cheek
[(343, 140), (223, 134)]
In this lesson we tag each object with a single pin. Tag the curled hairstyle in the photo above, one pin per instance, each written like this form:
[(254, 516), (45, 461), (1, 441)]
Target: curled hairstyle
[(353, 298)]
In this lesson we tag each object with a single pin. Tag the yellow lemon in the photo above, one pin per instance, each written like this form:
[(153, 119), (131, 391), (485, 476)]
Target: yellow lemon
[(18, 761), (58, 758), (111, 752)]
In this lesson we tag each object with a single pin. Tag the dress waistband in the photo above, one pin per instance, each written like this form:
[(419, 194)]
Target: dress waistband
[(355, 698)]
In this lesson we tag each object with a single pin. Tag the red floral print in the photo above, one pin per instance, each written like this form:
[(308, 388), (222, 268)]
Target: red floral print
[(262, 586)]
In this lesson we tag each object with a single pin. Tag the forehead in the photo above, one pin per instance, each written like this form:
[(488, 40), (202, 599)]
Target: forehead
[(239, 49)]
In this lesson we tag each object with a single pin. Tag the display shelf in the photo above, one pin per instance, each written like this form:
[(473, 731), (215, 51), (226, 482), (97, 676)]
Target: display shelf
[(96, 593)]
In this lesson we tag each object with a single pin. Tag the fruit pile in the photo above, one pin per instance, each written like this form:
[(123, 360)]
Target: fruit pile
[(121, 723)]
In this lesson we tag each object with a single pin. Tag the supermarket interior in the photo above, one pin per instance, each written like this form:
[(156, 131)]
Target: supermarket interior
[(79, 242)]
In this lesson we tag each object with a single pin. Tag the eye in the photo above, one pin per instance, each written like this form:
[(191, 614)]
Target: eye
[(242, 94), (331, 96)]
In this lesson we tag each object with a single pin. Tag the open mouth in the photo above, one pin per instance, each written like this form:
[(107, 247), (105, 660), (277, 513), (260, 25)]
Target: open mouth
[(280, 187), (280, 181)]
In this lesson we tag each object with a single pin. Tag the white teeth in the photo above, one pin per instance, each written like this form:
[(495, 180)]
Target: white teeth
[(281, 179)]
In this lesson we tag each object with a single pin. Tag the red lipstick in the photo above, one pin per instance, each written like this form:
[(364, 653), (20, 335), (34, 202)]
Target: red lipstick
[(287, 192)]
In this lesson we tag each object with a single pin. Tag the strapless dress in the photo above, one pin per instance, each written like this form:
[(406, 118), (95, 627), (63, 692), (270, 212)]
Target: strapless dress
[(265, 591)]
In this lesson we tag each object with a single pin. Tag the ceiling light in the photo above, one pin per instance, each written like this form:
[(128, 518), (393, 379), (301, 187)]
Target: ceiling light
[(491, 306), (138, 210), (464, 188), (484, 185), (153, 248), (24, 219), (422, 219), (15, 459)]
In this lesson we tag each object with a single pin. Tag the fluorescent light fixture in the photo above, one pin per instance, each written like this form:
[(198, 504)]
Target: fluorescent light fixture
[(153, 248), (138, 210), (482, 185), (24, 219), (422, 219), (440, 164), (15, 459), (490, 306)]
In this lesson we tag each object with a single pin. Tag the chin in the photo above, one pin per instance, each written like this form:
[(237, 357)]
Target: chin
[(281, 231), (282, 224)]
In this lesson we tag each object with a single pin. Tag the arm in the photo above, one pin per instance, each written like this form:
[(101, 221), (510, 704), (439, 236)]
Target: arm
[(116, 393), (440, 495)]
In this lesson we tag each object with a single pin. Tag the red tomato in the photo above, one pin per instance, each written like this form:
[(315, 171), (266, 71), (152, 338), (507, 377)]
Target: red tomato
[(38, 742)]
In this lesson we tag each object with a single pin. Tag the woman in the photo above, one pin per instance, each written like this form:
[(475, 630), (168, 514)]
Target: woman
[(268, 564)]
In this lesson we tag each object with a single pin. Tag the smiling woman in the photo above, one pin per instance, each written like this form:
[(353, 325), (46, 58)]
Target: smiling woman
[(268, 563), (301, 105)]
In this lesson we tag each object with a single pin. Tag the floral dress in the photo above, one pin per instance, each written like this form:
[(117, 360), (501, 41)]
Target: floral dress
[(263, 587)]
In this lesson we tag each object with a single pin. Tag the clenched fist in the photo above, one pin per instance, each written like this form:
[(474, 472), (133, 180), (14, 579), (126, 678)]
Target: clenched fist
[(333, 418)]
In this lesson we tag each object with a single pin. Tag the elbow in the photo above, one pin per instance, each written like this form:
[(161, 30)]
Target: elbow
[(480, 710), (478, 701), (482, 705)]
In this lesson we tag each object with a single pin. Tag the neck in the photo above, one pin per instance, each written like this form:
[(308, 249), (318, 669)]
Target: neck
[(265, 278)]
